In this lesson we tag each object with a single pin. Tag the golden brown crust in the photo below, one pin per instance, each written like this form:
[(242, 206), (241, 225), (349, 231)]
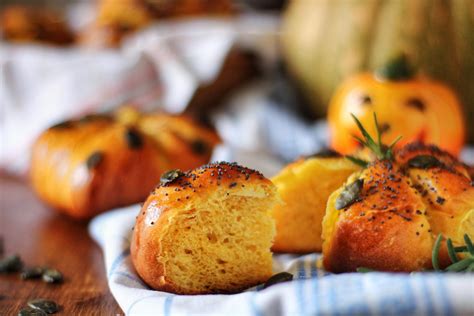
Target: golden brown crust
[(200, 181), (166, 202), (446, 189), (386, 229), (412, 150), (96, 163), (28, 24), (402, 208)]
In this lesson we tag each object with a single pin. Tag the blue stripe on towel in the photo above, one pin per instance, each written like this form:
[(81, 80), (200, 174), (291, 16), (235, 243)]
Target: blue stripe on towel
[(447, 308), (314, 283), (132, 278), (129, 310), (253, 304), (411, 306), (167, 305), (299, 287), (428, 302), (124, 254)]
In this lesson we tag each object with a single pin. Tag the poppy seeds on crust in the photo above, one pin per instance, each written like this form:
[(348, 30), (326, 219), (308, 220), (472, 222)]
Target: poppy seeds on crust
[(216, 172)]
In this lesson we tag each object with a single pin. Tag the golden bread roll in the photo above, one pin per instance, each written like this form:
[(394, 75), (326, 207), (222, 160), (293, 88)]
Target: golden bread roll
[(304, 186), (99, 162), (446, 188), (206, 231), (384, 229), (31, 24), (387, 216), (118, 18), (114, 21)]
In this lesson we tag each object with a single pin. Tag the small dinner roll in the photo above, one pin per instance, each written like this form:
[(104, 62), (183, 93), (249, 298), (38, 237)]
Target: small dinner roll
[(304, 186), (382, 227), (446, 188), (388, 216), (85, 166), (206, 231)]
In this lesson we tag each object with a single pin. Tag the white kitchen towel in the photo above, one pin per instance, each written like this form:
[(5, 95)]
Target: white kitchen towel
[(260, 134), (312, 292), (160, 67)]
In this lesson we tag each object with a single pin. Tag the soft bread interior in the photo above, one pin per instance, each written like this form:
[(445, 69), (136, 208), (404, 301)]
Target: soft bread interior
[(305, 187), (221, 241)]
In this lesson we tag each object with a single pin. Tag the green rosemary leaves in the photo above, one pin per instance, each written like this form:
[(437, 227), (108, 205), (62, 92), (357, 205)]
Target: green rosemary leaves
[(381, 151), (457, 265)]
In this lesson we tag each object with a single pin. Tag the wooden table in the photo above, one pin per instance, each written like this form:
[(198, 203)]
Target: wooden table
[(41, 237)]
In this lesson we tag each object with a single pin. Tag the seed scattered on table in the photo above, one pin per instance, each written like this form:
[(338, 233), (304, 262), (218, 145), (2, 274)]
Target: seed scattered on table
[(32, 273), (28, 311), (278, 278), (52, 276), (11, 263), (47, 306)]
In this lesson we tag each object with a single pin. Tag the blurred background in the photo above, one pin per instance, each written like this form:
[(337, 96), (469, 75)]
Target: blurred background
[(264, 73)]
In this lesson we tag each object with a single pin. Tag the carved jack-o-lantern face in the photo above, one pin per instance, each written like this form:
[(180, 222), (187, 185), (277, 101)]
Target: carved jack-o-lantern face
[(417, 109)]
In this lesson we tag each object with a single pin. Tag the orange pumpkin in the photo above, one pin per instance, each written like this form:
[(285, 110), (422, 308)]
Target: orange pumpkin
[(415, 107)]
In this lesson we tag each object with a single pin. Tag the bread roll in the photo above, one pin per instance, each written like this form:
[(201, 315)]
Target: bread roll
[(34, 24), (384, 229), (304, 187), (99, 162), (447, 190), (397, 212), (117, 19), (206, 231)]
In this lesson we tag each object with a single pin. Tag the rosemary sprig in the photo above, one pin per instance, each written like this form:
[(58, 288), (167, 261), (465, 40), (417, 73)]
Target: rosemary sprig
[(451, 251), (457, 265), (381, 151), (435, 253)]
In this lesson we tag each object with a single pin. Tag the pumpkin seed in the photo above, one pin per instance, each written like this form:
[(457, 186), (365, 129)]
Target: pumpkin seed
[(11, 263), (47, 306), (94, 117), (94, 159), (29, 311), (326, 153), (170, 176), (278, 278), (350, 194), (424, 162), (32, 273), (133, 139), (52, 276), (62, 125), (199, 146)]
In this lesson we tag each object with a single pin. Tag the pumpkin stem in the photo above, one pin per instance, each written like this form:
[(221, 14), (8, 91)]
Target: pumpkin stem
[(396, 69)]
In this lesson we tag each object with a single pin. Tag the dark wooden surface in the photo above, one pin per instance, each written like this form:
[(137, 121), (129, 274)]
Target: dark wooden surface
[(41, 237)]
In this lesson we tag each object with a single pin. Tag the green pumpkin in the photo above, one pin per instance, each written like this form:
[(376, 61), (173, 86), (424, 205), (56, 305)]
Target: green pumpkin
[(325, 41)]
